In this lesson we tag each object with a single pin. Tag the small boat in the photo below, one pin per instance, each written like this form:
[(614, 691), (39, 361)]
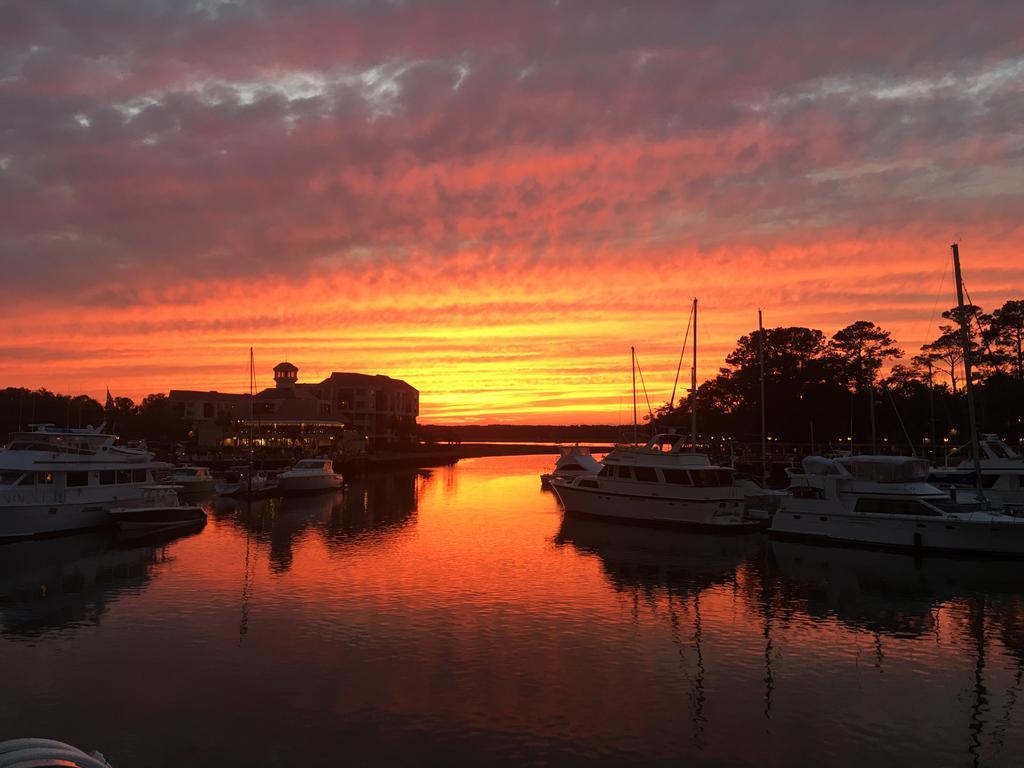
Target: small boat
[(310, 475), (574, 461), (239, 482), (160, 511), (192, 479), (47, 753)]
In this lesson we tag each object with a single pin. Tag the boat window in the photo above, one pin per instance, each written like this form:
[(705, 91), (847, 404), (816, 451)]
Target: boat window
[(606, 471), (572, 468), (124, 476), (624, 473), (44, 478), (77, 479), (647, 474), (10, 477), (138, 475), (587, 484), (710, 478), (893, 507), (997, 450), (677, 476), (107, 477)]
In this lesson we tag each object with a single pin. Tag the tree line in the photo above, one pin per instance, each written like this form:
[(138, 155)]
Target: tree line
[(153, 418), (823, 389)]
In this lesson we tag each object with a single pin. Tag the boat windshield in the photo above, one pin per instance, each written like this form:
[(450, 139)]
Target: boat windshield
[(10, 477), (312, 464)]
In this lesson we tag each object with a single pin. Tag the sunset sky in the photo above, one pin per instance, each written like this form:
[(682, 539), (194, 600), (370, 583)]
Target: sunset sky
[(491, 199)]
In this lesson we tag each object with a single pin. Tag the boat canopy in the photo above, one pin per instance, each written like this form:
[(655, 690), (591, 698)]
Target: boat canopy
[(886, 469), (878, 469)]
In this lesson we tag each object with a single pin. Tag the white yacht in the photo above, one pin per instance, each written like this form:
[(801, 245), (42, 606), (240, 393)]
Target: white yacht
[(573, 461), (886, 501), (310, 475), (54, 480), (1002, 472), (192, 479), (659, 483)]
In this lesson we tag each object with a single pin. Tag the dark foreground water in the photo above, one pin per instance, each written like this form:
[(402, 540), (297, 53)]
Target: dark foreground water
[(453, 617)]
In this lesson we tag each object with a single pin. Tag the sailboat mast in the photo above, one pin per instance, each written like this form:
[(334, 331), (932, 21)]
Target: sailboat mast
[(632, 360), (965, 339), (252, 410), (693, 384), (764, 431)]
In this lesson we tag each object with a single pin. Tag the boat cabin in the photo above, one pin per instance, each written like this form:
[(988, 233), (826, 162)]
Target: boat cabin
[(322, 465)]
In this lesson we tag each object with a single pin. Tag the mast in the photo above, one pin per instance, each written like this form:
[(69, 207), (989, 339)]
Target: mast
[(965, 339), (252, 410), (632, 360), (764, 432), (693, 384)]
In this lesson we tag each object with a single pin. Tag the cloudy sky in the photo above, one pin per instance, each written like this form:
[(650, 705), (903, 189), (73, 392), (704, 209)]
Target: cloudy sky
[(492, 200)]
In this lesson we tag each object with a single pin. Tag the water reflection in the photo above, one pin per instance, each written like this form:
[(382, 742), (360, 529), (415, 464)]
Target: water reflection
[(459, 618), (68, 582), (371, 503)]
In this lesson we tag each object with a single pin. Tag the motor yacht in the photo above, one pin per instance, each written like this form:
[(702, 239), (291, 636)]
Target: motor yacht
[(1002, 473), (191, 479), (658, 483), (54, 480), (573, 461), (886, 501), (310, 475)]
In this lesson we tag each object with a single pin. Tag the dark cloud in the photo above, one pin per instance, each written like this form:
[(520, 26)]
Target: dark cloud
[(143, 141)]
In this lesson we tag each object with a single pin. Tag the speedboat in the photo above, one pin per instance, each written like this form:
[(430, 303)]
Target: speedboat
[(1002, 473), (310, 475), (160, 509), (573, 461), (886, 501), (192, 479), (54, 480), (659, 483)]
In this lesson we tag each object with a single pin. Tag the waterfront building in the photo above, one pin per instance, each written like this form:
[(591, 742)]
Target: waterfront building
[(382, 410)]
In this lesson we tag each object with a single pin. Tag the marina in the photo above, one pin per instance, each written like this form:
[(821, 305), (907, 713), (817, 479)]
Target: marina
[(456, 612)]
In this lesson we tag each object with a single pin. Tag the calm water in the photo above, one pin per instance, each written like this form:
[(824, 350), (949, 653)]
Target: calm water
[(453, 616)]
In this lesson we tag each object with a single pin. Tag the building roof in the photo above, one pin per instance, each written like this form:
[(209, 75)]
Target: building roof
[(367, 380), (285, 366)]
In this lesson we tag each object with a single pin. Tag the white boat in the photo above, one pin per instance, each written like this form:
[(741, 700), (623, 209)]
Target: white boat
[(573, 461), (54, 480), (659, 483), (1002, 472), (886, 501), (310, 475), (159, 509), (191, 479)]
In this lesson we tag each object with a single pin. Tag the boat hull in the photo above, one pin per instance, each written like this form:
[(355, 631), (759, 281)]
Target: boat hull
[(152, 518), (26, 521), (939, 534), (721, 516), (309, 483)]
